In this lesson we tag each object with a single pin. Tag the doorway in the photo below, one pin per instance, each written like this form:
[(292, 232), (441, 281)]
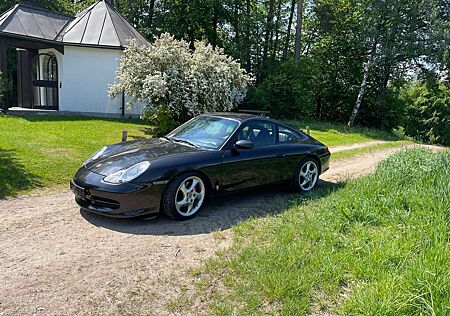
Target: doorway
[(45, 82)]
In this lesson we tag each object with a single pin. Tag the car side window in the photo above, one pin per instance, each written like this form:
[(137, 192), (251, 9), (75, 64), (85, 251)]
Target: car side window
[(286, 136), (260, 133)]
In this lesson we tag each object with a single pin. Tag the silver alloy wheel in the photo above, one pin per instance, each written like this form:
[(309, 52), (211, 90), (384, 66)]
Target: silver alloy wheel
[(309, 173), (190, 196)]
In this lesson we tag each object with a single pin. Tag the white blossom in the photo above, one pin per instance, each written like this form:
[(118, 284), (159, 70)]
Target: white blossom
[(187, 82)]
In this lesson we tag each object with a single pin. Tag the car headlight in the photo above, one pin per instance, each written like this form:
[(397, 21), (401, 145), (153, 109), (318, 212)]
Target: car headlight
[(127, 175), (96, 155)]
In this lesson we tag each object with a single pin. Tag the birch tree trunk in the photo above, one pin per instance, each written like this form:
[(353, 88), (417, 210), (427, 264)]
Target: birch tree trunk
[(298, 33), (362, 89)]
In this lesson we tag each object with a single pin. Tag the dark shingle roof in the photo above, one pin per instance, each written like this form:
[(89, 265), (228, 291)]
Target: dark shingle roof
[(100, 25), (29, 21)]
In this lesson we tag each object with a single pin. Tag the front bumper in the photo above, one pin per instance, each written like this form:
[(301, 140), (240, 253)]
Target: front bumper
[(124, 200)]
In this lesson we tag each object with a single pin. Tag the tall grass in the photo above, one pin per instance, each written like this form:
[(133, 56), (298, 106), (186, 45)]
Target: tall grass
[(379, 246)]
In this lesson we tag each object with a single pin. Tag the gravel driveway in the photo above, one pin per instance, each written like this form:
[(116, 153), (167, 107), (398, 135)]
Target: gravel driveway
[(58, 260)]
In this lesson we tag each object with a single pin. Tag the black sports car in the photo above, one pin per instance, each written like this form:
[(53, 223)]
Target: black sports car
[(210, 154)]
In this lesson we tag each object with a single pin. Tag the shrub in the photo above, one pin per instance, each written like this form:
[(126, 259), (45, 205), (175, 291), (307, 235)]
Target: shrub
[(428, 112), (285, 92), (161, 119), (171, 76), (386, 115)]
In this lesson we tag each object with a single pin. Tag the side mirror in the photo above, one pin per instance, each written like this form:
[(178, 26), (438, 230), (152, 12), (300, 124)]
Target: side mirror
[(244, 144)]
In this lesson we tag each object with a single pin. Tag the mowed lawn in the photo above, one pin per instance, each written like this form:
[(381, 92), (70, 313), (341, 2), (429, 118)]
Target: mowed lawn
[(46, 151)]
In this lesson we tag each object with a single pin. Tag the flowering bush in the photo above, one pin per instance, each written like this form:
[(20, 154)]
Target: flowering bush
[(169, 75)]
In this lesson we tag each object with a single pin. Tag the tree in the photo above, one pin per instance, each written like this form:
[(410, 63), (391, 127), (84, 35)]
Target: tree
[(362, 89), (298, 33), (171, 76), (404, 39), (428, 110), (268, 32), (289, 26)]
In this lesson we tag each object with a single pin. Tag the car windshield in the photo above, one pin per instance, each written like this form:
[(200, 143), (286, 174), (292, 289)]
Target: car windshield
[(205, 131)]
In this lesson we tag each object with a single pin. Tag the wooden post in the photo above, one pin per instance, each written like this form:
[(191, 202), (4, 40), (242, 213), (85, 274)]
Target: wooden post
[(308, 130), (124, 135)]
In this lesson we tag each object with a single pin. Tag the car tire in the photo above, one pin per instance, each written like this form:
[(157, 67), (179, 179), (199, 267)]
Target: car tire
[(184, 196), (306, 176)]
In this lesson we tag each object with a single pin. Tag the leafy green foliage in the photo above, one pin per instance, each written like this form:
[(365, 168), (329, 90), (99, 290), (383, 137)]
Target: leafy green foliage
[(338, 36), (378, 246), (285, 92), (389, 114), (428, 112), (161, 120)]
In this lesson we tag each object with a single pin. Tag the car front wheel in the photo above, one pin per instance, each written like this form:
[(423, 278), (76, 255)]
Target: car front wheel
[(307, 175), (184, 196)]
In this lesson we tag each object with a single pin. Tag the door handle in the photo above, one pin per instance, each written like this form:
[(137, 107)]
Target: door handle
[(281, 155)]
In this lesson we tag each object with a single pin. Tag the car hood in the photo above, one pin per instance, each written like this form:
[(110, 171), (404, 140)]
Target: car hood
[(124, 155)]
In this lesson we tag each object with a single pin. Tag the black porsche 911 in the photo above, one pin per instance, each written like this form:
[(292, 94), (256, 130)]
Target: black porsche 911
[(208, 155)]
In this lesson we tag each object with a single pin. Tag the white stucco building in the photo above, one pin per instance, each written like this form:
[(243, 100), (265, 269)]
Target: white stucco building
[(67, 63)]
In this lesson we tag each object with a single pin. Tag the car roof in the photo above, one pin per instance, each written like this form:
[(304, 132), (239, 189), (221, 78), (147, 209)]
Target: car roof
[(241, 117), (244, 117)]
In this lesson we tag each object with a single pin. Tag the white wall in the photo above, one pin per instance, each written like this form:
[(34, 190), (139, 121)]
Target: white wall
[(85, 75)]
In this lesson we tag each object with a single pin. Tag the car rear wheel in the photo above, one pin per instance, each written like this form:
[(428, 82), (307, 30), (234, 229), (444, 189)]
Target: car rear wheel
[(184, 196), (307, 175)]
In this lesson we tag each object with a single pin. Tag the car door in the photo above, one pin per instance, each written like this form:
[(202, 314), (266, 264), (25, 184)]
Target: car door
[(260, 165), (293, 148)]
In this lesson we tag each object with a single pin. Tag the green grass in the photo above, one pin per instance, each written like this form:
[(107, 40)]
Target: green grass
[(378, 246), (336, 134), (46, 151)]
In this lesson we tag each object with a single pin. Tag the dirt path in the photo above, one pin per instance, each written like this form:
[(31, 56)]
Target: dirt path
[(56, 260), (357, 145)]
